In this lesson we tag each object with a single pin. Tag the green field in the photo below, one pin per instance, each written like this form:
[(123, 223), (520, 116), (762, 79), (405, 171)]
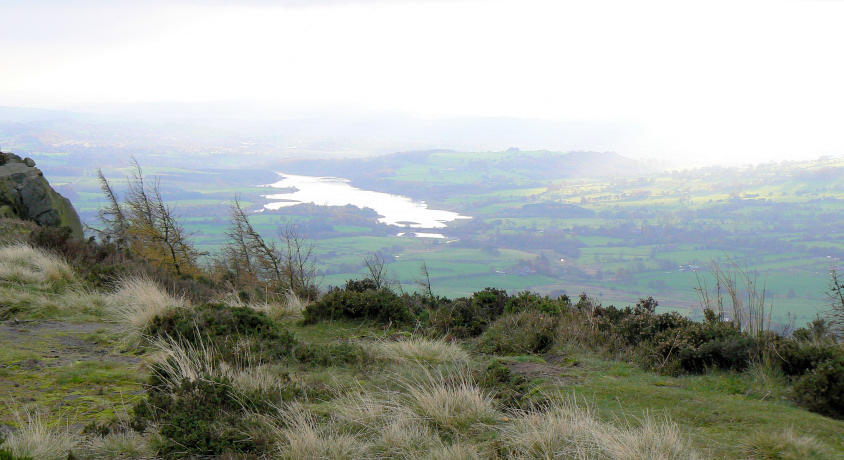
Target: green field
[(541, 228)]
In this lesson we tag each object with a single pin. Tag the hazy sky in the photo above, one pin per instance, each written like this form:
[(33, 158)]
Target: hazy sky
[(725, 80)]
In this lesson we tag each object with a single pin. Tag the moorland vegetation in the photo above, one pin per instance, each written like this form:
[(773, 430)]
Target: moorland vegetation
[(244, 357)]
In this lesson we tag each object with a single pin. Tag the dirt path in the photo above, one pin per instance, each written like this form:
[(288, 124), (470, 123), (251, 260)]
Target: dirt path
[(76, 370)]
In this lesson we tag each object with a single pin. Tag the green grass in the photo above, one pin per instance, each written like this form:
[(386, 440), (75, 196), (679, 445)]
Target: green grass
[(95, 373)]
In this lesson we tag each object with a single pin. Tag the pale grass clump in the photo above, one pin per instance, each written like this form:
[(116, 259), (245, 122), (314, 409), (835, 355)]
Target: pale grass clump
[(137, 301), (85, 301), (395, 431), (453, 404), (288, 307), (405, 436), (561, 430), (257, 377), (362, 411), (565, 429), (23, 263), (421, 350), (785, 444), (36, 439), (652, 437), (455, 451), (122, 444), (71, 300), (294, 303), (304, 437), (175, 361)]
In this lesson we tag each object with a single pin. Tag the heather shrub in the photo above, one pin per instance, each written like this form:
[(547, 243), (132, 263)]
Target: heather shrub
[(510, 390), (331, 354), (203, 417), (382, 306), (226, 328)]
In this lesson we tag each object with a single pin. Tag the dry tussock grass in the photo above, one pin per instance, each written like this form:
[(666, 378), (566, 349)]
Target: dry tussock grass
[(137, 301), (421, 350), (562, 430), (405, 436), (22, 263), (35, 439), (303, 436), (447, 418), (70, 301), (174, 361), (456, 451), (785, 444), (123, 444), (453, 404), (651, 437), (565, 429), (85, 301), (290, 307)]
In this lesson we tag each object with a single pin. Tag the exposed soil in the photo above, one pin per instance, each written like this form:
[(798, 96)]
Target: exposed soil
[(59, 343), (39, 363)]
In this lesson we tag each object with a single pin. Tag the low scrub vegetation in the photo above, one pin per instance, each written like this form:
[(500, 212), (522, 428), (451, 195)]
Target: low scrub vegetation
[(247, 359)]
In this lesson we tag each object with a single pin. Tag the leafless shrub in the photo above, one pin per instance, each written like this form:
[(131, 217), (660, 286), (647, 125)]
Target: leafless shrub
[(738, 296)]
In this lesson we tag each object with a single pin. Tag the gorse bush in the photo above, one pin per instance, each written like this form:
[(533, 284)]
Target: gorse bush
[(468, 317), (822, 389), (529, 301), (696, 347), (672, 343), (799, 357)]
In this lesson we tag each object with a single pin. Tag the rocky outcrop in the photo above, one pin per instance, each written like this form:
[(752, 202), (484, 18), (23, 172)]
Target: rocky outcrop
[(26, 194)]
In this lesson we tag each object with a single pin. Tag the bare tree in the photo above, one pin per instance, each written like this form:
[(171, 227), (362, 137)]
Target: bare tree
[(424, 280), (835, 291), (147, 225), (299, 260), (377, 268), (111, 216), (252, 259), (237, 253)]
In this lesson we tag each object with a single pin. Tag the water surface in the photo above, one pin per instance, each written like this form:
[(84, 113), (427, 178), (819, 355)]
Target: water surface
[(395, 210)]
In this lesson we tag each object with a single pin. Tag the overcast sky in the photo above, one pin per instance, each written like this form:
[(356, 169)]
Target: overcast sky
[(725, 80)]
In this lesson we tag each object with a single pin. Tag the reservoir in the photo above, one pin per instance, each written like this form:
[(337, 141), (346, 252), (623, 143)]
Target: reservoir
[(333, 191)]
